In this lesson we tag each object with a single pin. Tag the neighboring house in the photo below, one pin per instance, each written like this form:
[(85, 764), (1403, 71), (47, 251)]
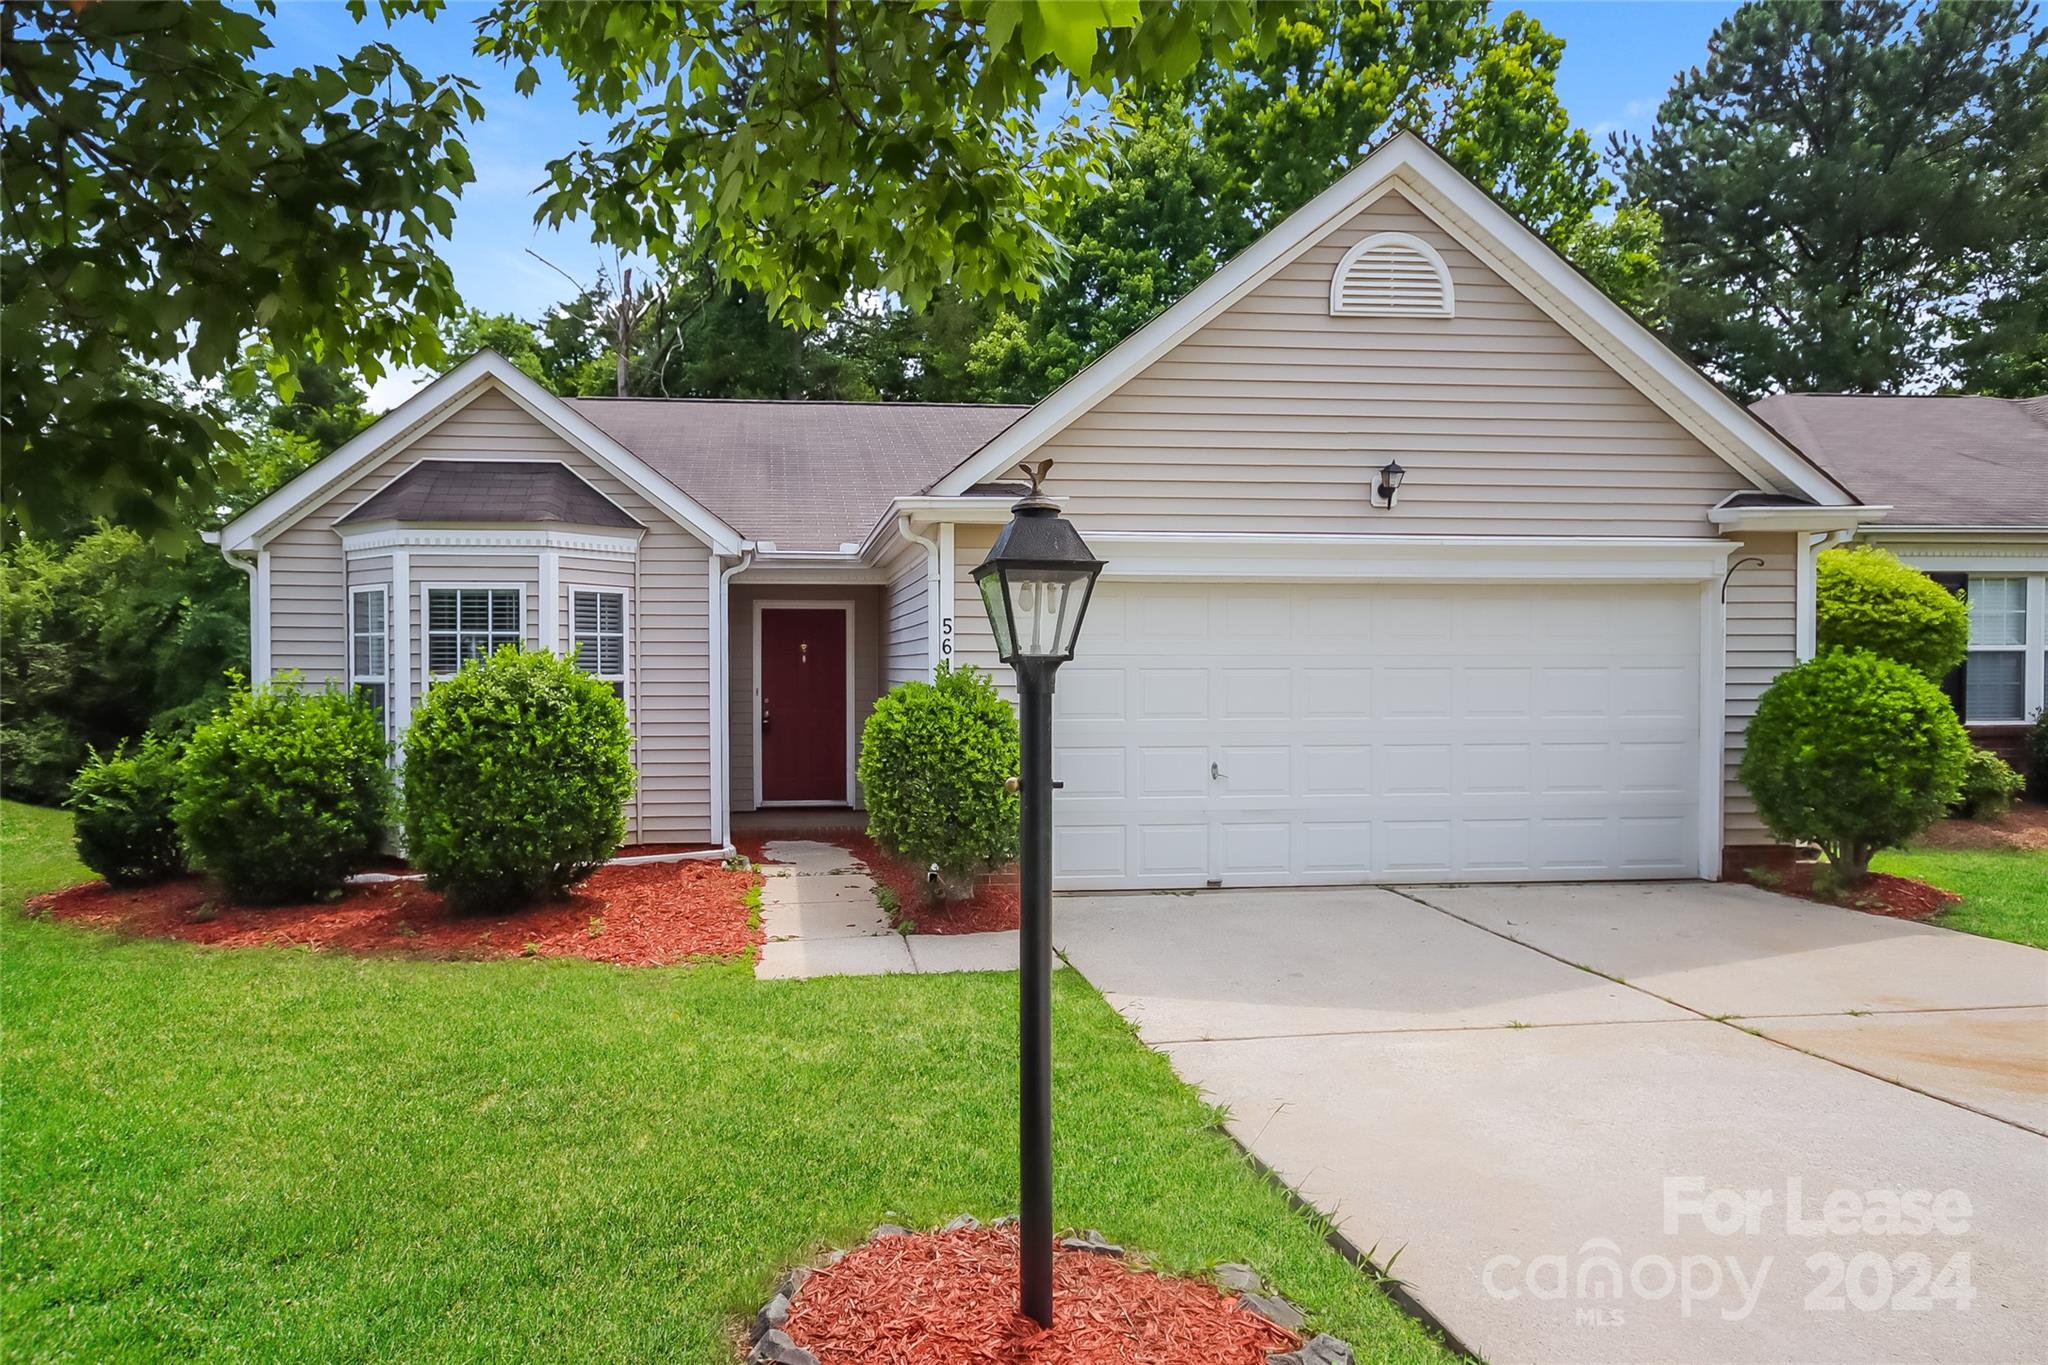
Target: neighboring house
[(1966, 479), (1538, 662)]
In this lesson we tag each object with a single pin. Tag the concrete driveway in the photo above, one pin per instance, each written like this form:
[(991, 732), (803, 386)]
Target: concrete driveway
[(1680, 1122)]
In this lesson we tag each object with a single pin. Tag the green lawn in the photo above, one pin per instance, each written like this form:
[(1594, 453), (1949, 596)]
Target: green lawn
[(288, 1155), (2004, 891)]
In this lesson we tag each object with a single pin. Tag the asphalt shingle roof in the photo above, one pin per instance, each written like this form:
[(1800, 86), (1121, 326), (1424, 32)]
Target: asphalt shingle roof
[(490, 490), (804, 475), (1936, 461)]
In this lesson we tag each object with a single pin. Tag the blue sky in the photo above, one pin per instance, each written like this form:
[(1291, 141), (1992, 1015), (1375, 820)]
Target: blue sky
[(1619, 60)]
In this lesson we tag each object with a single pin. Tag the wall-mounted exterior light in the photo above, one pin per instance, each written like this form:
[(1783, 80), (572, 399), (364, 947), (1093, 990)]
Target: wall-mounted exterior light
[(1391, 475)]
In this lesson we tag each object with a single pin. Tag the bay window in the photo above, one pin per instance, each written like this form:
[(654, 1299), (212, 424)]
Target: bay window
[(597, 630), (369, 626), (470, 623)]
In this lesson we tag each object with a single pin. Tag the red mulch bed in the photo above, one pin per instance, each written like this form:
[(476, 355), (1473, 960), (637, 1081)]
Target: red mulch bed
[(990, 908), (2025, 826), (644, 916), (952, 1296), (1881, 894)]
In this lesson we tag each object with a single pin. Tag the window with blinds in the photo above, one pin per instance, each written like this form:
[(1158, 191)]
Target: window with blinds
[(597, 629), (1391, 275), (369, 638), (469, 623)]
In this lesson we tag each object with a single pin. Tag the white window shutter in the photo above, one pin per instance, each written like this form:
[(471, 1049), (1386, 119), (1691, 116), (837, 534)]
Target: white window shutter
[(1391, 275)]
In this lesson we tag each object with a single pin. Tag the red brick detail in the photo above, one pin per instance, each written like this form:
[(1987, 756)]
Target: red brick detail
[(1737, 859)]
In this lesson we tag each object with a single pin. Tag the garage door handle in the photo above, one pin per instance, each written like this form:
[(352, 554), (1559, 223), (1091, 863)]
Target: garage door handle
[(1215, 773)]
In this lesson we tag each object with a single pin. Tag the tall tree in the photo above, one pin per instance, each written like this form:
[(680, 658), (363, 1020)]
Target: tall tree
[(1841, 183), (818, 151), (1261, 129), (166, 200)]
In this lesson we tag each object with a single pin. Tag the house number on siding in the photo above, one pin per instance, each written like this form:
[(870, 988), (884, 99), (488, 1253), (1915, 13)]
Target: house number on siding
[(945, 637)]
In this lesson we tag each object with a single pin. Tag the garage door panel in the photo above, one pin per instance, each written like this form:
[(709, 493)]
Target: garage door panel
[(1418, 732)]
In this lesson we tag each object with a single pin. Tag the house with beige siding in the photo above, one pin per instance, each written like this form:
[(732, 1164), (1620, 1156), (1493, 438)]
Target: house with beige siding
[(1530, 656), (1966, 479)]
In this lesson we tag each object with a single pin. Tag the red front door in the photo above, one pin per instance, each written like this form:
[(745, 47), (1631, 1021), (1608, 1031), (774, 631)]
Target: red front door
[(803, 705)]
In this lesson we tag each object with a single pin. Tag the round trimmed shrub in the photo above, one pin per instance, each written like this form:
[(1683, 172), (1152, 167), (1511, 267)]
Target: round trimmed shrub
[(517, 773), (1853, 753), (935, 759), (1989, 785), (1866, 598), (285, 791), (122, 804)]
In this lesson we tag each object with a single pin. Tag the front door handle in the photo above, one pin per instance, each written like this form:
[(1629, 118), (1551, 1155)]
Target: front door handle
[(766, 719)]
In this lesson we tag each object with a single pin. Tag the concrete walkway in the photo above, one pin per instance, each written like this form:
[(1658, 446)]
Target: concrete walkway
[(820, 917), (1603, 1123)]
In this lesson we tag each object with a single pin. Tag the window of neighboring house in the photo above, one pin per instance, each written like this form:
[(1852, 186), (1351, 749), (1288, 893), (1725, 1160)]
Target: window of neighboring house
[(368, 647), (470, 623), (1995, 679), (597, 629)]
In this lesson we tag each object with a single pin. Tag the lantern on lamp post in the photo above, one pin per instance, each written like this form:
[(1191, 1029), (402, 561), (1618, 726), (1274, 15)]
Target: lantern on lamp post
[(1035, 584)]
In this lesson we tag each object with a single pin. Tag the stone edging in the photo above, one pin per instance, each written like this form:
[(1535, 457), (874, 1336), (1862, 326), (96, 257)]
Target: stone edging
[(769, 1344)]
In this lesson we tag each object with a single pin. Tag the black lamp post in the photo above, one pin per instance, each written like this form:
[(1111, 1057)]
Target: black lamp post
[(1035, 585)]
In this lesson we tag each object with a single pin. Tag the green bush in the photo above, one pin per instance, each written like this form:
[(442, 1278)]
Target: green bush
[(122, 803), (1867, 599), (934, 761), (284, 792), (517, 772), (1853, 753), (1989, 785)]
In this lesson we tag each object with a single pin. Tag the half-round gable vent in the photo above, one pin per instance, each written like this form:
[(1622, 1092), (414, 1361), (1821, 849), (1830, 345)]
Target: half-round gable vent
[(1391, 275)]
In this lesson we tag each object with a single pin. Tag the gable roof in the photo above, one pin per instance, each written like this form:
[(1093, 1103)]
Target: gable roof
[(803, 475), (1502, 242), (1940, 461), (425, 409), (490, 491)]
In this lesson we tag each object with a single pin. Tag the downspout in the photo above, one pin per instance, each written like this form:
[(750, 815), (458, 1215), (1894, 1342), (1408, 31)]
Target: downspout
[(721, 703), (248, 567), (933, 586)]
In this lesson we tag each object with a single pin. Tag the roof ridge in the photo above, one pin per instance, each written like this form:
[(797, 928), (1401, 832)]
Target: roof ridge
[(802, 402)]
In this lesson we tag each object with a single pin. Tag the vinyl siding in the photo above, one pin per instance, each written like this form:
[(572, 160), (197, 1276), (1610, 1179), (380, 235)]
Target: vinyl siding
[(1275, 416), (906, 625), (1762, 643), (671, 618), (745, 696), (974, 644)]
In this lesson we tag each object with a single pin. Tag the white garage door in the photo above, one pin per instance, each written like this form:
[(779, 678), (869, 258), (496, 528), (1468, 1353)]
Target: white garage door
[(1248, 735)]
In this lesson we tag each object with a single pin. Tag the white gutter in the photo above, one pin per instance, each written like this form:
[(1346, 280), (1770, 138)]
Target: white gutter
[(720, 720), (258, 613), (933, 585)]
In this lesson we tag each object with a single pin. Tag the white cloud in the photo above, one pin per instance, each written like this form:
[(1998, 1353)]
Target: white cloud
[(396, 386)]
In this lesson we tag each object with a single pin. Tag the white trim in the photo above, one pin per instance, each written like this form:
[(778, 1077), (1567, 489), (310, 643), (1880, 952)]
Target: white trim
[(926, 511), (1763, 519), (1283, 557), (425, 409), (837, 576), (626, 677), (720, 721), (427, 676), (1806, 595), (551, 624), (401, 593), (1430, 256), (1735, 434), (944, 633), (2036, 698), (933, 580), (355, 679), (1713, 757), (385, 537), (259, 620), (765, 605)]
